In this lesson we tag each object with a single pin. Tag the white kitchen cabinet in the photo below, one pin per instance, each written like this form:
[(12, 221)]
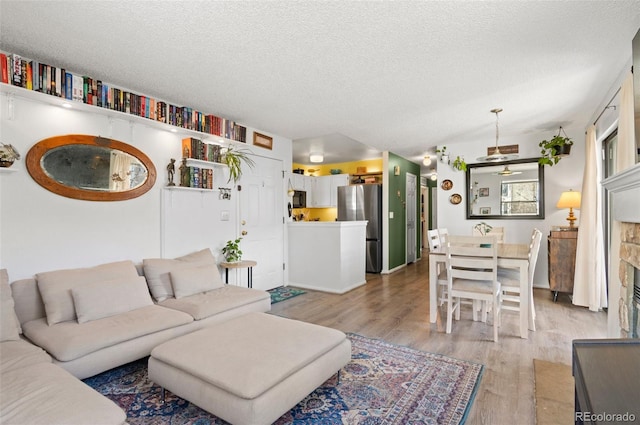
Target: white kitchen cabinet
[(337, 180), (328, 256), (321, 191), (297, 181)]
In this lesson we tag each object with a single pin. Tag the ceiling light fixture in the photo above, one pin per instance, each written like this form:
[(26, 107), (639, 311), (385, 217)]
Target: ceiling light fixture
[(434, 174), (507, 172), (497, 156), (316, 157), (427, 160)]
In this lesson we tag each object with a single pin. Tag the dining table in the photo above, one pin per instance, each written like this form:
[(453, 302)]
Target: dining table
[(509, 255)]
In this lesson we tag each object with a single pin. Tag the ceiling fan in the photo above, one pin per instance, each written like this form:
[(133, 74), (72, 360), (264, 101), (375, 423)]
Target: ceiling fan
[(507, 172)]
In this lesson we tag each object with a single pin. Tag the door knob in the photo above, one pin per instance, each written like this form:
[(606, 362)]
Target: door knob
[(244, 232)]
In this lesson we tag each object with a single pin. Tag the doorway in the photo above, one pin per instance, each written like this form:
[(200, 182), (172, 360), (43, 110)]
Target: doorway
[(261, 221), (411, 216)]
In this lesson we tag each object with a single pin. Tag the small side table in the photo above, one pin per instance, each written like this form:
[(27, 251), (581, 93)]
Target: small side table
[(244, 264)]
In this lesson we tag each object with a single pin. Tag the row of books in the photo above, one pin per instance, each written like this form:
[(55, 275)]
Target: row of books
[(196, 177), (55, 81), (197, 149)]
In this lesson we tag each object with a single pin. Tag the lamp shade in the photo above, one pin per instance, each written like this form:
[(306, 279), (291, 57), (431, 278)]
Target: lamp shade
[(427, 160), (569, 199)]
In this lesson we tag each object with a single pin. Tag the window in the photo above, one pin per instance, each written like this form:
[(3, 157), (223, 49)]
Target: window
[(519, 197)]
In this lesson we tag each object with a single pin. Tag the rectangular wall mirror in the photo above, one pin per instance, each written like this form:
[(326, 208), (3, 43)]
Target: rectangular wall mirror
[(506, 190)]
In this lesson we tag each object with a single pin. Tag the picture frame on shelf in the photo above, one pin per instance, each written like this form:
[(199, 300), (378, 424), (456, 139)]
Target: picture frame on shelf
[(485, 210), (262, 140), (483, 191)]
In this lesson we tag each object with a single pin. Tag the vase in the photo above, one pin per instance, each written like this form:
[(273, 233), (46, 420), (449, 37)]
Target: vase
[(5, 163)]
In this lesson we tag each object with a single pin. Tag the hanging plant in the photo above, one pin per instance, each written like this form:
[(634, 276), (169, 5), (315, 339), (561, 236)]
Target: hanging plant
[(459, 164), (444, 156), (234, 158), (553, 150)]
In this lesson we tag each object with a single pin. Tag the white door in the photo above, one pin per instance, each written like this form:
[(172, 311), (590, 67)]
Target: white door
[(411, 217), (262, 221)]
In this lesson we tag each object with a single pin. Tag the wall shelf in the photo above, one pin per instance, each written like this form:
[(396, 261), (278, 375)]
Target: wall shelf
[(36, 96), (5, 170), (191, 189)]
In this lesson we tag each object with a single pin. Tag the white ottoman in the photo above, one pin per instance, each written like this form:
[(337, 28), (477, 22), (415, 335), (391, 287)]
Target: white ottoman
[(251, 369)]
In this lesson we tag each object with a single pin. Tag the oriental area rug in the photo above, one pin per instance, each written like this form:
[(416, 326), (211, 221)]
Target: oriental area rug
[(383, 383), (282, 293)]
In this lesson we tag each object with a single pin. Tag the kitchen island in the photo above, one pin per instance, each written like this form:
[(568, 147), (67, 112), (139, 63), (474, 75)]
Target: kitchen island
[(327, 256)]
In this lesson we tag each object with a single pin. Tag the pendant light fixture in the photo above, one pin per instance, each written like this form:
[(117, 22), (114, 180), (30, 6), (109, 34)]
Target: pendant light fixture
[(497, 156), (426, 161)]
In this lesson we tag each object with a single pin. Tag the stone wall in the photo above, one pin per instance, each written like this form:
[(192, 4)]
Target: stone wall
[(629, 261)]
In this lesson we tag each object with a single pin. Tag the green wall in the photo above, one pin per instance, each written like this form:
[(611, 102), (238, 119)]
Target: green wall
[(398, 224)]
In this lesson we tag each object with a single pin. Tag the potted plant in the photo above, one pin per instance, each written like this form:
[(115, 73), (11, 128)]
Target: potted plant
[(8, 154), (234, 158), (554, 149), (459, 164), (232, 252), (444, 156)]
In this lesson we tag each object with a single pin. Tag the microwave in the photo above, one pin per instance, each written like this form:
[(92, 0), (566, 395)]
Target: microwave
[(299, 199)]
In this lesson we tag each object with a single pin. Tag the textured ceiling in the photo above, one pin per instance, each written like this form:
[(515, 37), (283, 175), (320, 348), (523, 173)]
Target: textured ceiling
[(399, 76)]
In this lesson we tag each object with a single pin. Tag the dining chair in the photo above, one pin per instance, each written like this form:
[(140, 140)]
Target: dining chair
[(472, 273), (510, 279), (436, 243)]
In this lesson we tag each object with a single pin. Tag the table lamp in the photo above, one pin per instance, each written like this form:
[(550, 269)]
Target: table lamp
[(571, 200)]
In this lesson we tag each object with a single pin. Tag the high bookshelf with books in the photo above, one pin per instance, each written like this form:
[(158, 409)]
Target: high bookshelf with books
[(34, 76)]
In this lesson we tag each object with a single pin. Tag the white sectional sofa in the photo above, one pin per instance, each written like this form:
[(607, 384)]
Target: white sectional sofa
[(90, 320)]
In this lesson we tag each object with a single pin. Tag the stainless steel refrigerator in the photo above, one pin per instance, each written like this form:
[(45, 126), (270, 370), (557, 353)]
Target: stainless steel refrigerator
[(364, 202)]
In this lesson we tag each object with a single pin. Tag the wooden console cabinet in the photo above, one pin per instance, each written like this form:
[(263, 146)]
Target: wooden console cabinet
[(562, 260)]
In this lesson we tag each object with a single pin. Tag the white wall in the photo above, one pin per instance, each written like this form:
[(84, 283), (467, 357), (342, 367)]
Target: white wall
[(42, 231), (567, 174)]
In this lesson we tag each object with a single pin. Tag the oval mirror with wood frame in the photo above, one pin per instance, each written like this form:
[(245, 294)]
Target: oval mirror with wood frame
[(90, 168)]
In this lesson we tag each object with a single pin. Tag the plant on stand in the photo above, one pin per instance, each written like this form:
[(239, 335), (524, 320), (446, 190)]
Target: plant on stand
[(553, 150), (232, 252)]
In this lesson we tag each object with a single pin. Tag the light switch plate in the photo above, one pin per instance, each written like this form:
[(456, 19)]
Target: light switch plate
[(224, 216), (390, 214)]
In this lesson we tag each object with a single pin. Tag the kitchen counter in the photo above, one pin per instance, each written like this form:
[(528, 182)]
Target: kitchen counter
[(327, 256)]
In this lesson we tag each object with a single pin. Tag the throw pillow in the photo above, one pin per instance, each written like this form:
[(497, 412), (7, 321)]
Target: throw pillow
[(98, 300), (157, 271), (195, 280), (55, 286), (9, 325)]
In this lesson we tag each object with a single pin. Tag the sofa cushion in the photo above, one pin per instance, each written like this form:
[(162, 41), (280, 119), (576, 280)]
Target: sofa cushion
[(201, 306), (195, 280), (9, 325), (157, 271), (98, 300), (70, 340), (46, 394), (55, 286), (17, 354)]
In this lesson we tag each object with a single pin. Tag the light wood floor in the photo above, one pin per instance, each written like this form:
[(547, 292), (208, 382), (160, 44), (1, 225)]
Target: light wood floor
[(395, 308)]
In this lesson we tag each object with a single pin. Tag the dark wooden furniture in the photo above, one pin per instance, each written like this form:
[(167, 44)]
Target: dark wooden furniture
[(607, 381), (562, 260)]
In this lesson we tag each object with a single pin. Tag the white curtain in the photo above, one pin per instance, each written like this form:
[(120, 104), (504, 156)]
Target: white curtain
[(589, 288), (626, 152)]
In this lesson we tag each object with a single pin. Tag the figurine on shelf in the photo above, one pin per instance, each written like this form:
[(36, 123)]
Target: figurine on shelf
[(171, 170), (184, 173)]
